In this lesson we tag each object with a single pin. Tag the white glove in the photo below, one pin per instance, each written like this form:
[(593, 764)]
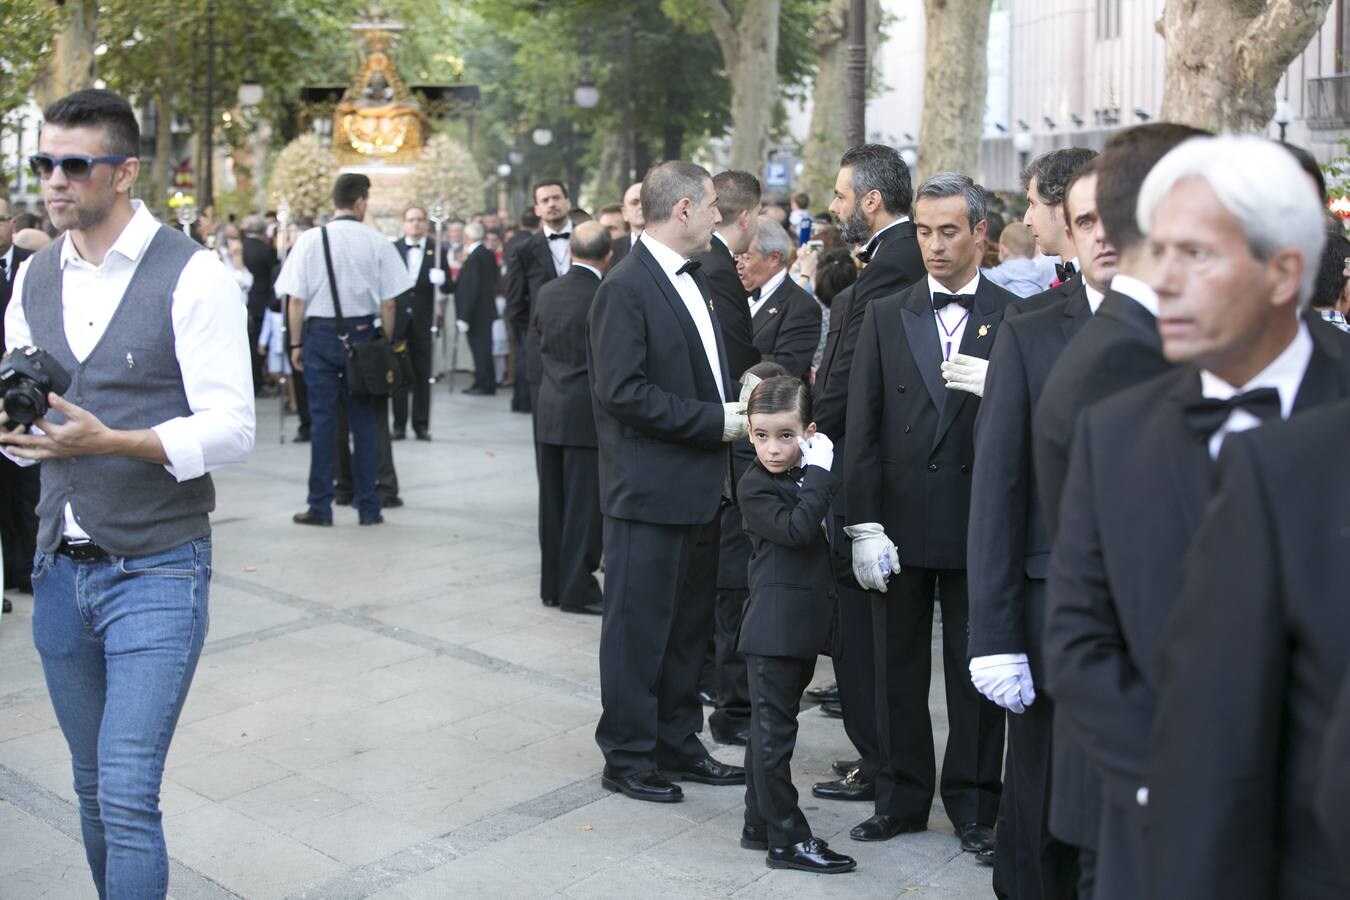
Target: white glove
[(462, 326), (819, 451), (734, 423), (1005, 679), (965, 373), (874, 555), (436, 276)]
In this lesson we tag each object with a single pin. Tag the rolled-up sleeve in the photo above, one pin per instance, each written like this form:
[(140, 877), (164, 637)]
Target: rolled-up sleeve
[(211, 343)]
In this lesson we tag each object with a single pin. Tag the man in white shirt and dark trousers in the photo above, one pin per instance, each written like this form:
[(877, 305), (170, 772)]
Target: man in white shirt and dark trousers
[(370, 275), (155, 339)]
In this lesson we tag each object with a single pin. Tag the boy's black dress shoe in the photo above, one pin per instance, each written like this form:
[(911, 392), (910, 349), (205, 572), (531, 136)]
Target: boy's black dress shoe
[(883, 828), (649, 786), (843, 766), (706, 771), (851, 787), (755, 837), (811, 855), (976, 838), (310, 517), (593, 609), (985, 857), (833, 710)]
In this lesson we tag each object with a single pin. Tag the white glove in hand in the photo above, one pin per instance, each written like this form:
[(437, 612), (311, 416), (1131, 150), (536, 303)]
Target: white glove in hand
[(1004, 679), (965, 373), (462, 326), (819, 451), (874, 555), (436, 276), (734, 423)]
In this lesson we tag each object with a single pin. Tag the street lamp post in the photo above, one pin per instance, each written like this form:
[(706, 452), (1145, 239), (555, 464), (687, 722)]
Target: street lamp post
[(1022, 143), (1284, 114), (208, 124)]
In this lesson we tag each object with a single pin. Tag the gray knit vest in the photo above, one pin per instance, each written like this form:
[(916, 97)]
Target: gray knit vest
[(130, 381)]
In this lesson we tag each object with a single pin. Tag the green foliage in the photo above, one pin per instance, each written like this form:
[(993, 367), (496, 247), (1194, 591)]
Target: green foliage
[(303, 176), (25, 39)]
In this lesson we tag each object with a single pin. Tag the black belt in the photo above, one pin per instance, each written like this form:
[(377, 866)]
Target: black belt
[(81, 551)]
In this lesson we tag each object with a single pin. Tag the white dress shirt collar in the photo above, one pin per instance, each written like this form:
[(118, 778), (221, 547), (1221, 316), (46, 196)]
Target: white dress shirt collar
[(1137, 291), (875, 239), (935, 287), (1094, 297), (130, 244), (766, 291), (668, 259), (548, 231), (1284, 374)]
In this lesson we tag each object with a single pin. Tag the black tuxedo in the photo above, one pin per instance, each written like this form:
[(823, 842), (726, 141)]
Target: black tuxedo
[(896, 265), (621, 248), (569, 477), (260, 259), (476, 303), (1007, 557), (416, 317), (658, 421), (19, 485), (1251, 663), (1332, 794), (1117, 348), (527, 270), (1137, 486), (728, 297), (787, 328), (787, 619), (908, 458)]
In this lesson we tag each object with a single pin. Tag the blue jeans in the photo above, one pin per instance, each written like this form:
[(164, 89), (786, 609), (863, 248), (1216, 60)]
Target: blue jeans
[(119, 640), (326, 375)]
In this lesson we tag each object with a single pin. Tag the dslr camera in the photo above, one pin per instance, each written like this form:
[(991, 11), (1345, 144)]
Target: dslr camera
[(27, 376)]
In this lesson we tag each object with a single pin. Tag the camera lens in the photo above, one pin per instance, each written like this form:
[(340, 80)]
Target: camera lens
[(24, 403)]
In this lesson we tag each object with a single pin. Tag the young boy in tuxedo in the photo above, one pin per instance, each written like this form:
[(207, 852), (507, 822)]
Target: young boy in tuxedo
[(784, 497)]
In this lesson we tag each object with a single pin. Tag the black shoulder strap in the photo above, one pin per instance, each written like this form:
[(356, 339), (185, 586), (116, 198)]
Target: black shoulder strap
[(332, 284)]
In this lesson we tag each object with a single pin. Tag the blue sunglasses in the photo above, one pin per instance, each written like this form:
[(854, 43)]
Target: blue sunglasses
[(76, 168)]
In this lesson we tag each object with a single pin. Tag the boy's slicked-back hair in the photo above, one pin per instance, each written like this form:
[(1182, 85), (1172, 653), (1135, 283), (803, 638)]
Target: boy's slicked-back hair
[(780, 394)]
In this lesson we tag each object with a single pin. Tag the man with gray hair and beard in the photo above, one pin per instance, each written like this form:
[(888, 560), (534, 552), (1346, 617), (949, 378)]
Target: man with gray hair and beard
[(664, 408), (910, 452)]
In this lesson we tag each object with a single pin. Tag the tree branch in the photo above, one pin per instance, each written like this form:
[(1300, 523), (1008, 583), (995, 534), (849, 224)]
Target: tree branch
[(1281, 31), (723, 25)]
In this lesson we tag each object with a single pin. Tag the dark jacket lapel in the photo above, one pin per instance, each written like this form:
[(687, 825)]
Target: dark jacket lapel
[(697, 358), (1326, 379), (772, 308), (1126, 309), (922, 337), (1077, 312), (544, 255), (977, 340), (1189, 464)]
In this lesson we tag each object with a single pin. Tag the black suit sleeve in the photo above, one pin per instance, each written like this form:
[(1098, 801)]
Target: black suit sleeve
[(618, 337), (517, 286), (765, 513), (832, 406), (864, 395), (798, 337), (1092, 678), (733, 314), (1000, 502), (1333, 789), (1215, 774)]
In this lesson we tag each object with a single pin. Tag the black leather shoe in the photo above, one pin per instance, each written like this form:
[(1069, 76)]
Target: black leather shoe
[(9, 607), (976, 838), (842, 767), (593, 609), (707, 697), (376, 519), (811, 855), (833, 710), (550, 602), (479, 392), (399, 435), (706, 771), (301, 436), (755, 837), (310, 517), (883, 828), (738, 736), (391, 502), (649, 786), (851, 787), (985, 857), (423, 435), (825, 695)]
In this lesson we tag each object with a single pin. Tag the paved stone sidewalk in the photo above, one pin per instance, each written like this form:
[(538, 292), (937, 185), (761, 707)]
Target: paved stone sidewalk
[(390, 712)]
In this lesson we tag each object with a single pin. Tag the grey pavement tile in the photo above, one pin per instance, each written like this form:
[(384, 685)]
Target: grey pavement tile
[(63, 877), (34, 751), (16, 722), (308, 746), (28, 840), (473, 876), (361, 834), (227, 774), (291, 803), (199, 834), (274, 868)]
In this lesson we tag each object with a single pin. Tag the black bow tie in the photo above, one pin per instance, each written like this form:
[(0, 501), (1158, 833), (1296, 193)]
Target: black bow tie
[(865, 254), (962, 300), (689, 266), (1207, 415), (753, 296), (560, 236), (1065, 272)]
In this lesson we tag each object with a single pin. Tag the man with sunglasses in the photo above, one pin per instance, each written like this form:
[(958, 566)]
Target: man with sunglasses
[(155, 339)]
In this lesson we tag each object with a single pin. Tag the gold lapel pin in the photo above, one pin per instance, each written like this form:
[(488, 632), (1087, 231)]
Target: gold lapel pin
[(984, 329)]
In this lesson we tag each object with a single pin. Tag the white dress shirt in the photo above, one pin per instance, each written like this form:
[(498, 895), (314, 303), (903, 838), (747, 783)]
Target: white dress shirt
[(766, 291), (699, 308), (952, 319), (872, 242), (1094, 297), (210, 328), (1284, 374), (560, 250), (415, 256), (1137, 291)]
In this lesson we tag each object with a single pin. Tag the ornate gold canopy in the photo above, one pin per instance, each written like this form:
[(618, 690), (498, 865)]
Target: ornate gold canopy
[(378, 118)]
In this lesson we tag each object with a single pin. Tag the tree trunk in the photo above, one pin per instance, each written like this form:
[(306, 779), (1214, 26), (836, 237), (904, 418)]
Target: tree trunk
[(750, 53), (1225, 57), (159, 173), (70, 65), (955, 72), (825, 138)]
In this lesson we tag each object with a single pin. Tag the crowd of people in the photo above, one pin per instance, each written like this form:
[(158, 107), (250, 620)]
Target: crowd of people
[(780, 436)]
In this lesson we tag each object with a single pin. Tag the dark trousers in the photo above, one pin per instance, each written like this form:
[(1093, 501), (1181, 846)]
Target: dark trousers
[(658, 602), (19, 489), (419, 350), (386, 479), (301, 398), (259, 362), (326, 368), (1121, 867), (1029, 863), (732, 680), (569, 525), (520, 390), (902, 622), (776, 687), (484, 367), (855, 673)]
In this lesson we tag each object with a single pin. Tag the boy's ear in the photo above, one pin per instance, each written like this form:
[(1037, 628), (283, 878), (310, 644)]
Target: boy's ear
[(811, 431)]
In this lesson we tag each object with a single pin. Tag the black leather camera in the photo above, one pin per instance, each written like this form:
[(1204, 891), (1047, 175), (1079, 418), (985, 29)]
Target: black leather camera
[(27, 376)]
